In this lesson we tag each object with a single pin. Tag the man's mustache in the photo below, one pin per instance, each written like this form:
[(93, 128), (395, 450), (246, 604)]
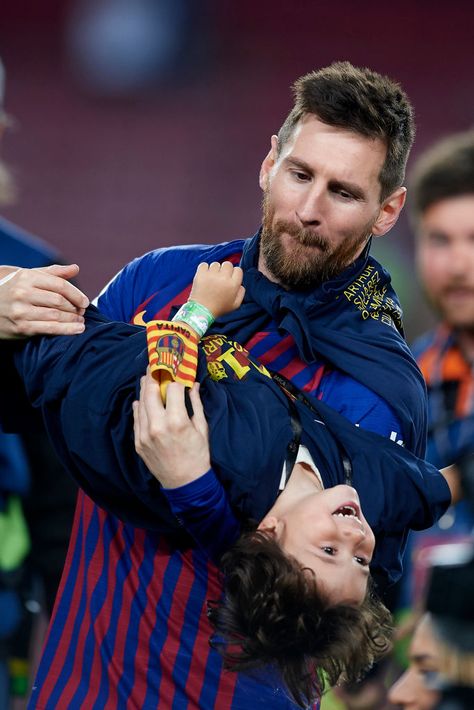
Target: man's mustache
[(306, 237), (458, 286)]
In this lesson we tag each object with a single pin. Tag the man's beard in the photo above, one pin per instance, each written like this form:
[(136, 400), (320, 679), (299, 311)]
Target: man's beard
[(454, 317), (303, 269)]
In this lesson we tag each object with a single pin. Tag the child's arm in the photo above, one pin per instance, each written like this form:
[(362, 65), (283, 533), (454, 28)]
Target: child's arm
[(172, 346), (218, 287)]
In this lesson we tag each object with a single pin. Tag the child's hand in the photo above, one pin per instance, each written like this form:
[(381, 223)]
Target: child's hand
[(218, 287)]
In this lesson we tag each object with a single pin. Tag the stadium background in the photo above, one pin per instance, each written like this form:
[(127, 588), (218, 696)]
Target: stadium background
[(142, 123)]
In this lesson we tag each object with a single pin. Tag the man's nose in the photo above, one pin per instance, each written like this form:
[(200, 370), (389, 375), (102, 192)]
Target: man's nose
[(461, 259), (402, 693), (310, 207)]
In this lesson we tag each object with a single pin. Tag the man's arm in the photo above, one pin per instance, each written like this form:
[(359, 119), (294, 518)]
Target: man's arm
[(175, 448), (40, 301)]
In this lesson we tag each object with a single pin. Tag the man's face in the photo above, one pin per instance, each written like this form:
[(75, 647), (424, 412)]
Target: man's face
[(327, 533), (445, 254), (321, 203), (412, 691)]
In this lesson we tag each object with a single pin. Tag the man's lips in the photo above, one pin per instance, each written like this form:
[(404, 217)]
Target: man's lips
[(308, 243), (458, 293)]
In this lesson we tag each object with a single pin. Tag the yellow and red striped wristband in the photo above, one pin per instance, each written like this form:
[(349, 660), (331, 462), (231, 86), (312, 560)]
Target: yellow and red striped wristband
[(172, 348)]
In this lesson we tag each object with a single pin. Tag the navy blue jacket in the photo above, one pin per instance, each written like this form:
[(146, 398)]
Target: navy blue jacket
[(86, 384)]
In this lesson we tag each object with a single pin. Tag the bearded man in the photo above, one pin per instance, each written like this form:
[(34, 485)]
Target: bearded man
[(130, 624)]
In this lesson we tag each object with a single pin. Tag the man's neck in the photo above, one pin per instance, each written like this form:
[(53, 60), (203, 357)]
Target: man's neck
[(465, 339), (262, 267)]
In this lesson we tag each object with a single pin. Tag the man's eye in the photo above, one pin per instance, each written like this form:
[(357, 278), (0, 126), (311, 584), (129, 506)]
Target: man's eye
[(329, 550), (361, 561), (345, 195), (437, 239), (302, 177), (431, 679)]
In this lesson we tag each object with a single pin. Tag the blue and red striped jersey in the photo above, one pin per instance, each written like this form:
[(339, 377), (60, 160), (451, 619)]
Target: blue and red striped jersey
[(129, 628)]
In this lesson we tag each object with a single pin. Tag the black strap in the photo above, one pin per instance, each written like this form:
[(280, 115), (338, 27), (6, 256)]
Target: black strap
[(293, 446), (293, 393)]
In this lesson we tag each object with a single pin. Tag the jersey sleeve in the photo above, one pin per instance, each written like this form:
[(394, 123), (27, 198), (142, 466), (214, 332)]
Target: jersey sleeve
[(118, 298), (203, 509)]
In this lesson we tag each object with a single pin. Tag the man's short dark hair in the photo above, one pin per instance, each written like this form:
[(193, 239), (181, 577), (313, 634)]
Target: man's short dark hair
[(362, 101), (273, 614), (445, 170)]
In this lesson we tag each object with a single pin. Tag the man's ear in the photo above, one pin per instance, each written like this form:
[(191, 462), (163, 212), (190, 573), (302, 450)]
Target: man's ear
[(389, 212), (268, 163)]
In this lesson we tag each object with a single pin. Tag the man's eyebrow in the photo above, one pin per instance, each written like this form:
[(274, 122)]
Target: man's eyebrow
[(421, 657), (436, 232), (350, 187), (298, 163)]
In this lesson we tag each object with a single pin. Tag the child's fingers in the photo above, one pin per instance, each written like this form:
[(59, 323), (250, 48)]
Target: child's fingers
[(237, 275), (239, 297), (203, 266), (227, 268)]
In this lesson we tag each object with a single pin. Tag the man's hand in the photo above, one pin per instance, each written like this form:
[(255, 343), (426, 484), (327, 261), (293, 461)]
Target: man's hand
[(174, 447), (218, 287), (40, 302)]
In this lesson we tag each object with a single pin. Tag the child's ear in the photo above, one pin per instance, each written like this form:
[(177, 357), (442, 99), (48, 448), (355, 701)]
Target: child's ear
[(272, 525)]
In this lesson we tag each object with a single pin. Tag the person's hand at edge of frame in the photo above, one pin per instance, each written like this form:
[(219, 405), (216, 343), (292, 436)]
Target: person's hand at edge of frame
[(173, 446), (40, 301)]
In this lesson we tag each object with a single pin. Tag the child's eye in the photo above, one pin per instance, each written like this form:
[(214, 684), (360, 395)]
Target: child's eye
[(329, 550), (361, 561)]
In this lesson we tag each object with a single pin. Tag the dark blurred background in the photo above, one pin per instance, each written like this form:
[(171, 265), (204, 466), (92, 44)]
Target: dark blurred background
[(142, 123)]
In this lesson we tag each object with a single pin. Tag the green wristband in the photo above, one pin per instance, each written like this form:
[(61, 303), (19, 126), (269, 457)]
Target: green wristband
[(197, 316)]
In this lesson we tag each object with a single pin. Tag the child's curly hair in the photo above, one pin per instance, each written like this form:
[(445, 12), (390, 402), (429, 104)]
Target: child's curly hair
[(272, 613)]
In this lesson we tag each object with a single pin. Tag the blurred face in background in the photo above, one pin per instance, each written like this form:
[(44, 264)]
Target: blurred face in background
[(445, 256), (7, 185), (413, 691)]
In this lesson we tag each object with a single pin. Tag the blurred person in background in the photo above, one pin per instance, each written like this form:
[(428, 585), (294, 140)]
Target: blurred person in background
[(441, 671), (442, 209), (442, 206), (415, 689), (37, 498)]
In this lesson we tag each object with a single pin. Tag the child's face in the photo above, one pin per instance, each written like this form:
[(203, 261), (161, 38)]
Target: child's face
[(327, 533)]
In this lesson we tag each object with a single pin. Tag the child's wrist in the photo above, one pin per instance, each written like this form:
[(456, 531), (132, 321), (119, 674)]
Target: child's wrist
[(196, 316)]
